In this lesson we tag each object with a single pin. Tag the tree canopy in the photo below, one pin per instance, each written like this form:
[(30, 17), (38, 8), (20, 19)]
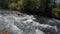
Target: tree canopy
[(40, 7)]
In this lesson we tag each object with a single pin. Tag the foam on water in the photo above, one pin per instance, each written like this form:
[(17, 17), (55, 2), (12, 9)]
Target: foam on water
[(25, 24)]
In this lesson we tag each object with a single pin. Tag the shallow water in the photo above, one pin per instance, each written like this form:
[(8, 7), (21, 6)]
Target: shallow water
[(27, 24)]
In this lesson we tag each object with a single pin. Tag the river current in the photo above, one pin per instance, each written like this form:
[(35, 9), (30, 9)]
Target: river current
[(18, 23)]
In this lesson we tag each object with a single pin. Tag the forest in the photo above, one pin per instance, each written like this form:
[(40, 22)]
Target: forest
[(46, 8)]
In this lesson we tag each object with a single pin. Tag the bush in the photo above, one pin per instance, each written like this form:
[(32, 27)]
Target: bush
[(12, 6), (56, 11)]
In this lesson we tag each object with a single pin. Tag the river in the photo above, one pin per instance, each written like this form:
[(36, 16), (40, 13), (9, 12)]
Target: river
[(19, 23)]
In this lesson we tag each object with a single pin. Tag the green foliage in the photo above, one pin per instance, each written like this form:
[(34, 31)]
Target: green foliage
[(58, 5), (43, 7), (56, 11), (12, 6), (19, 5), (16, 5), (4, 4), (31, 4)]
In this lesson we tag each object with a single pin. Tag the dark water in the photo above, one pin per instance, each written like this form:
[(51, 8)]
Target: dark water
[(18, 23)]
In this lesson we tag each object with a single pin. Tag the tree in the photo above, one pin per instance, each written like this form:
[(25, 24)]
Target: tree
[(4, 4), (47, 6), (58, 7), (15, 5), (38, 7), (30, 6)]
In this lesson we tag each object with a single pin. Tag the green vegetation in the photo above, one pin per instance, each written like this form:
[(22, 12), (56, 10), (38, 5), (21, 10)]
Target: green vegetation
[(57, 10), (47, 8)]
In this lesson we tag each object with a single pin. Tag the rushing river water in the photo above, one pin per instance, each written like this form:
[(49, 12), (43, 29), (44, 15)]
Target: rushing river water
[(17, 23)]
